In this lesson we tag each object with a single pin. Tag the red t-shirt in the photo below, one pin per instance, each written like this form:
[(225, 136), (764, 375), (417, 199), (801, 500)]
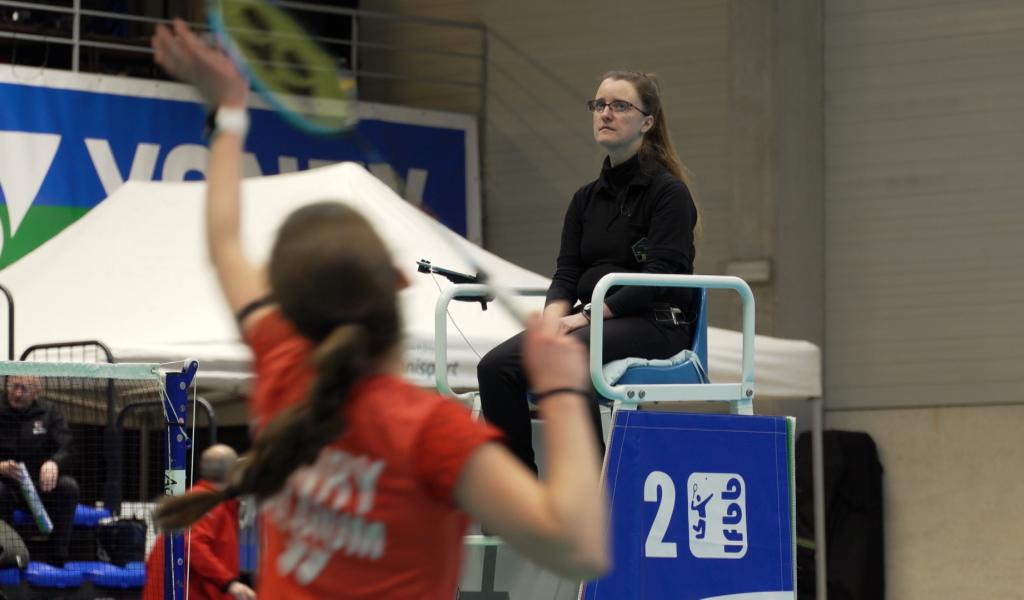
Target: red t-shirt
[(374, 517)]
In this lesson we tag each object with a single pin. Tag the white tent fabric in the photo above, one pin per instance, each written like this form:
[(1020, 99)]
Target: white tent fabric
[(133, 273)]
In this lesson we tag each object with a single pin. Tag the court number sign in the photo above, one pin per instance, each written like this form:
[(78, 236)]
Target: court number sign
[(716, 515), (700, 508)]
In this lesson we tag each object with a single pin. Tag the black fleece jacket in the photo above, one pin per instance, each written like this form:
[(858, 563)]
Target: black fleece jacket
[(34, 435), (636, 217)]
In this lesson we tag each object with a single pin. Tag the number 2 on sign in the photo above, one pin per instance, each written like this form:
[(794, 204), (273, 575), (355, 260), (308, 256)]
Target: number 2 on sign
[(656, 547)]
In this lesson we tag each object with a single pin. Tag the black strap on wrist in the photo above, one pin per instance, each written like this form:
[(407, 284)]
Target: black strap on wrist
[(537, 397), (253, 306), (225, 587)]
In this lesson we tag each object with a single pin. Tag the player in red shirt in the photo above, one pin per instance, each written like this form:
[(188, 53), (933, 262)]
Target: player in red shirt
[(367, 482)]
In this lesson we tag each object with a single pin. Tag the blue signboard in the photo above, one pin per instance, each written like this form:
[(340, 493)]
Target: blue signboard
[(701, 508), (65, 147)]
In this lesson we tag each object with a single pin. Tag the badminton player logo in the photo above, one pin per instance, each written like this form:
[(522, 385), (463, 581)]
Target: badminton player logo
[(717, 515)]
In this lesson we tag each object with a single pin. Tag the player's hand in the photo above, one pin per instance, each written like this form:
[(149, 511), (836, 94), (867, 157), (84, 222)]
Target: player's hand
[(189, 59), (9, 468), (48, 476), (240, 591), (553, 360)]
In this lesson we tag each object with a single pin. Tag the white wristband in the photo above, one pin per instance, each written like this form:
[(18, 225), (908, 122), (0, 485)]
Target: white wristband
[(231, 120)]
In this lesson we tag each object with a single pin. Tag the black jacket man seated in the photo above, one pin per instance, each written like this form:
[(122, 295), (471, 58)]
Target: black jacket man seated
[(33, 431)]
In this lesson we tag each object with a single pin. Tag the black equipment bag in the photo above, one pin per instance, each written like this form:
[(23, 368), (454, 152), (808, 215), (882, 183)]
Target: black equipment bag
[(122, 541), (854, 533)]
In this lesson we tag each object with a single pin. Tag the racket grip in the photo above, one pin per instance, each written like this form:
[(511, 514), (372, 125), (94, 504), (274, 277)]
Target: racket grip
[(28, 491)]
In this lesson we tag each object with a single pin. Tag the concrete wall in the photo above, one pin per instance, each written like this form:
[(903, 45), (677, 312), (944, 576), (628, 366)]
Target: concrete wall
[(923, 278), (952, 499), (869, 152)]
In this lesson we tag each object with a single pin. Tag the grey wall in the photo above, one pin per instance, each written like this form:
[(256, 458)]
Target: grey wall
[(925, 278), (869, 151), (925, 257)]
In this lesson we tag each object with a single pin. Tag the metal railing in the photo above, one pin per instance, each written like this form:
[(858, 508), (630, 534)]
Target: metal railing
[(71, 25), (10, 321), (739, 395)]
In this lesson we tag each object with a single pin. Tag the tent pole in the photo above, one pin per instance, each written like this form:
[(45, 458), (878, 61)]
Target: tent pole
[(818, 477)]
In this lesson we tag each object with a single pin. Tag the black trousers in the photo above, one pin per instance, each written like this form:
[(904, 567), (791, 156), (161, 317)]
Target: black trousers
[(60, 504), (503, 385)]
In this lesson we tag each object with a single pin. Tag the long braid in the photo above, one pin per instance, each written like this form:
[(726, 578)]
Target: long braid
[(323, 252), (293, 438)]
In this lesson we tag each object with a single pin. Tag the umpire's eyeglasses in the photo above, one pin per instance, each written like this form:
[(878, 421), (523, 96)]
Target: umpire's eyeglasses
[(618, 106)]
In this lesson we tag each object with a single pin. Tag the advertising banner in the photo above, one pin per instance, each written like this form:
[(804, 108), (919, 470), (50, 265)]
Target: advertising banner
[(68, 140)]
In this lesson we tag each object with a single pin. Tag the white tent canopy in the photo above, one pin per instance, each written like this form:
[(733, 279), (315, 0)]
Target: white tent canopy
[(133, 273)]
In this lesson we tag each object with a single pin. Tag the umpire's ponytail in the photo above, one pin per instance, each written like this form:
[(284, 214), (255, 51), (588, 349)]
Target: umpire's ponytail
[(657, 142)]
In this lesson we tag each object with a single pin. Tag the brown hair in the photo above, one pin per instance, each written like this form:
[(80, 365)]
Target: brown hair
[(333, 279), (657, 142)]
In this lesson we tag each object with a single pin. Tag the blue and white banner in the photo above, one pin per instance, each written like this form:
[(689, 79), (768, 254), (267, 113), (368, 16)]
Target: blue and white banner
[(702, 508), (68, 140)]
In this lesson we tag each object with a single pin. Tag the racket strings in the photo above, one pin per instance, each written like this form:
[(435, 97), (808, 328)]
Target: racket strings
[(287, 66)]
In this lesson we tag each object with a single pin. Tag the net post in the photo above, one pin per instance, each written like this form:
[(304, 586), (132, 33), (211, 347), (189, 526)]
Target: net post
[(176, 413)]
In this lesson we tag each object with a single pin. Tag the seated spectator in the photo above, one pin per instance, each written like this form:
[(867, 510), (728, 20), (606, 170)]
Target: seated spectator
[(33, 431), (214, 541)]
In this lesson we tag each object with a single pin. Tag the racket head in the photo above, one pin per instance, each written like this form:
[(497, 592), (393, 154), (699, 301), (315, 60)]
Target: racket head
[(286, 66), (306, 87)]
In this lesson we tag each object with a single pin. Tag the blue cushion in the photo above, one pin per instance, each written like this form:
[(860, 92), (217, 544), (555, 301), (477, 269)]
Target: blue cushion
[(49, 576), (10, 576), (86, 516), (686, 372), (121, 577), (682, 368), (88, 569), (132, 575)]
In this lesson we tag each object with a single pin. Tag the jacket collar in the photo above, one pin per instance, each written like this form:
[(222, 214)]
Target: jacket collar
[(35, 411), (642, 166)]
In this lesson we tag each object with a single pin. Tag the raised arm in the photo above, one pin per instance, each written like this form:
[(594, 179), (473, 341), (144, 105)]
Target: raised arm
[(219, 82)]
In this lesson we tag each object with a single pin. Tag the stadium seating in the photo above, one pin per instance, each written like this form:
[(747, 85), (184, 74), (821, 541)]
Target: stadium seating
[(79, 573)]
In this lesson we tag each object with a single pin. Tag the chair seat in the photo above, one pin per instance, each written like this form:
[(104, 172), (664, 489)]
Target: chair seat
[(10, 576), (48, 576), (683, 368), (85, 516), (690, 366), (101, 574), (88, 569), (132, 575)]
